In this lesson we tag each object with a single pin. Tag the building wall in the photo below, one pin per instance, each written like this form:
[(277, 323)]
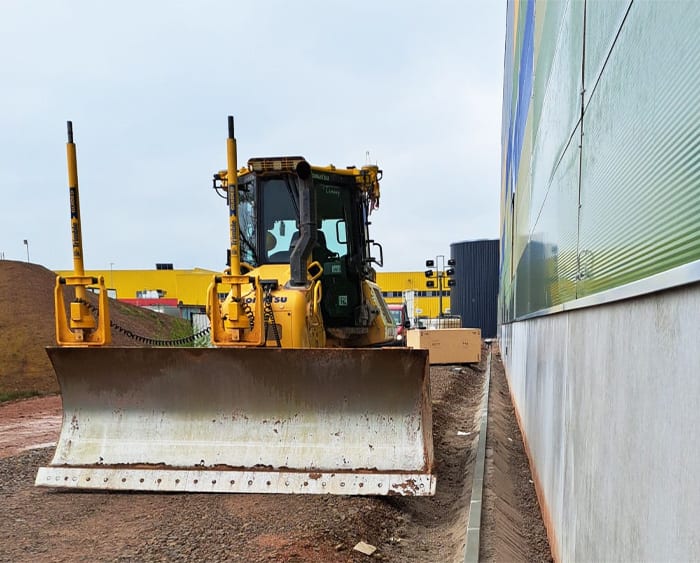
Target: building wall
[(426, 299), (475, 297), (599, 189), (187, 286), (607, 398), (600, 268), (190, 286)]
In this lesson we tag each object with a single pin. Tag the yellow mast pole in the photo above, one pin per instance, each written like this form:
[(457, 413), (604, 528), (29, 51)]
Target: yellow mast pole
[(76, 232), (232, 182), (80, 329)]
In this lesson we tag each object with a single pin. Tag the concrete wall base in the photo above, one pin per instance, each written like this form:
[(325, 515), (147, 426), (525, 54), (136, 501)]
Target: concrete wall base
[(609, 402)]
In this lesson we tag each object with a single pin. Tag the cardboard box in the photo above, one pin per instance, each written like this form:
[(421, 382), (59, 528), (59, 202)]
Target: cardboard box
[(448, 345)]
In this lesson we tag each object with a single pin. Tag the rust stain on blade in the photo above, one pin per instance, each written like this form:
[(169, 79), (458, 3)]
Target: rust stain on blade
[(313, 411)]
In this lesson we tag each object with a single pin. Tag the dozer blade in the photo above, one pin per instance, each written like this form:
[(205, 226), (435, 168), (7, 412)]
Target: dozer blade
[(259, 420)]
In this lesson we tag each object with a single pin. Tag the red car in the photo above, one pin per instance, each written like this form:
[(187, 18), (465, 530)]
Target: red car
[(399, 313)]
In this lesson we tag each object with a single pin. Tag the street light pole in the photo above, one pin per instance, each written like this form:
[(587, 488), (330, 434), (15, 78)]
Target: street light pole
[(439, 277), (26, 243), (111, 275)]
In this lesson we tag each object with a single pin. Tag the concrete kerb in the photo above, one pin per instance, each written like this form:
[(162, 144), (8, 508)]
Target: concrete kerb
[(471, 548)]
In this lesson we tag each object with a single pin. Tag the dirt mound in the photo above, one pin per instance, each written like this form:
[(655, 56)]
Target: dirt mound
[(27, 327)]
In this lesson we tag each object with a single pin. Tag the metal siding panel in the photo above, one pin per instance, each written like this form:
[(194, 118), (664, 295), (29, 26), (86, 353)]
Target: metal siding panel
[(547, 275), (538, 143), (401, 281), (475, 297), (546, 221), (604, 18), (550, 25), (561, 109), (640, 202), (640, 165)]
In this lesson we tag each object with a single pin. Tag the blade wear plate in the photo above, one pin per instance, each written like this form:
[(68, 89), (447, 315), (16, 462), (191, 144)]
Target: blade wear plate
[(325, 411)]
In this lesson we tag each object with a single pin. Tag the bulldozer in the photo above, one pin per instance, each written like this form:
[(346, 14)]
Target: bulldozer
[(299, 392)]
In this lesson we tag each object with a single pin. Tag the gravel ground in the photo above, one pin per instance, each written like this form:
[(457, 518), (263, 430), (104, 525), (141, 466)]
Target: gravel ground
[(53, 525)]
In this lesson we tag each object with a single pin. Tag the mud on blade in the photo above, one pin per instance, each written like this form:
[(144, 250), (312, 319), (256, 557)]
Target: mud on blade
[(345, 421)]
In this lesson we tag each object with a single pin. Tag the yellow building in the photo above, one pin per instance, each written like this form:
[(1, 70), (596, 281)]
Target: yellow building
[(426, 300), (189, 287)]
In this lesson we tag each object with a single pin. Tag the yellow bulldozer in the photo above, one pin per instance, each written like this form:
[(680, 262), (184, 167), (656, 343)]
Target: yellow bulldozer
[(300, 391)]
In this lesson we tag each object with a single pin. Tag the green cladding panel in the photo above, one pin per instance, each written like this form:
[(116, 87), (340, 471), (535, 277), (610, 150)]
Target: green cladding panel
[(604, 18), (561, 108), (640, 188), (598, 198)]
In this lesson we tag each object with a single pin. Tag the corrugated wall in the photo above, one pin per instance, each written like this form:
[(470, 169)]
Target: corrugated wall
[(190, 286), (600, 160), (600, 269), (475, 296), (426, 300), (187, 286)]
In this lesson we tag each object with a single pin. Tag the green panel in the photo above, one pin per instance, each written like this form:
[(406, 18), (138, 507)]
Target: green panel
[(603, 20), (506, 271), (640, 193), (545, 239), (561, 105), (546, 274), (522, 195), (557, 229), (548, 24), (519, 24)]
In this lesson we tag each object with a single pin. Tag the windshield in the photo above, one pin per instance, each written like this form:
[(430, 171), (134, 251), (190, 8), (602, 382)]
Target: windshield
[(269, 224), (247, 221), (396, 315), (278, 200), (333, 209)]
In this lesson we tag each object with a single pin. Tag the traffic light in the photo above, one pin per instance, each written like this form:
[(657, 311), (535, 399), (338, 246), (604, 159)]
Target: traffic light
[(428, 273), (450, 272), (451, 283), (430, 263), (430, 283)]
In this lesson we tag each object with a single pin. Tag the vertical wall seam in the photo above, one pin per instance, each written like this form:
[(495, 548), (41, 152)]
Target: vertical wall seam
[(580, 150)]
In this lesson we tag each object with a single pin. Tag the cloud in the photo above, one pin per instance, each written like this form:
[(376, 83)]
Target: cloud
[(149, 84)]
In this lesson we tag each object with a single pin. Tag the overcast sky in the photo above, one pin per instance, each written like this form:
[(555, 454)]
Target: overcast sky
[(148, 86)]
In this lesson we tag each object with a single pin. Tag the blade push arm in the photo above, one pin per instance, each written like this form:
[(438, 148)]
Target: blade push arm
[(80, 329)]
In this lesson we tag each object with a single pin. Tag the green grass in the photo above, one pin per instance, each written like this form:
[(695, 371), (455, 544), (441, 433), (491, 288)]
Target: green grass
[(181, 329), (131, 311), (15, 395)]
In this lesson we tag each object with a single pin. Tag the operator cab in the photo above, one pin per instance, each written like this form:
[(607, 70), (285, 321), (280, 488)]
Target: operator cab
[(272, 218)]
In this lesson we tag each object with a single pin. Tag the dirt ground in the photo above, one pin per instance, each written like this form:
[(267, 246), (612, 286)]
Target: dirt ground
[(30, 424), (511, 527), (54, 525)]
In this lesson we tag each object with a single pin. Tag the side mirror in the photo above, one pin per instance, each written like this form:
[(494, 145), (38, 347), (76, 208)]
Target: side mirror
[(380, 261)]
